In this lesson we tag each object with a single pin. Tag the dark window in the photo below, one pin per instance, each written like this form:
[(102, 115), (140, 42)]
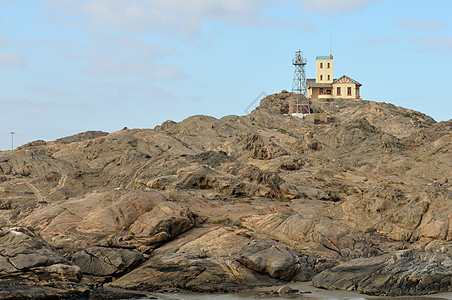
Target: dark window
[(349, 91), (328, 65), (321, 65), (328, 92), (321, 77), (321, 91), (338, 91), (328, 77)]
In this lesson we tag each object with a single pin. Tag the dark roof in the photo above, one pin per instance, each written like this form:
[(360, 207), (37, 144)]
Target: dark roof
[(312, 83), (324, 57)]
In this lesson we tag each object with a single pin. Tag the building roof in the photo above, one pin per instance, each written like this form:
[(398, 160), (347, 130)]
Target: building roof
[(354, 81), (324, 57), (312, 83)]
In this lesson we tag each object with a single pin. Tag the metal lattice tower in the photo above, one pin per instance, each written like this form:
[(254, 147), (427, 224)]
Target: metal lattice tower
[(299, 85)]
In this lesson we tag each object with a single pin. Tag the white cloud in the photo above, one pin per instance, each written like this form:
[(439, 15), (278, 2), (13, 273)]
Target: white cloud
[(376, 42), (113, 25), (10, 59), (421, 25), (22, 103), (117, 67), (336, 6), (52, 91), (175, 16), (442, 44)]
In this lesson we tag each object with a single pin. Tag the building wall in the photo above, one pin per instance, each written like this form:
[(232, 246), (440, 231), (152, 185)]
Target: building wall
[(314, 93), (322, 71), (344, 86), (325, 95)]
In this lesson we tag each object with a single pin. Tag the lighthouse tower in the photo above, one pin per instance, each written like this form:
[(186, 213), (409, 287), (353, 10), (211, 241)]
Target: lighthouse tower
[(301, 106)]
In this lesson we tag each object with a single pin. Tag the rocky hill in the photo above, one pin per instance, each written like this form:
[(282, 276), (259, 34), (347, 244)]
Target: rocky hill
[(362, 203)]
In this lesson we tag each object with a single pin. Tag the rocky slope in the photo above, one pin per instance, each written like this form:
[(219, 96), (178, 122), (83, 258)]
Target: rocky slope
[(361, 203)]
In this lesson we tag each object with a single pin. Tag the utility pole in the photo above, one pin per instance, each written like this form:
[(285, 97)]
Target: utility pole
[(12, 140)]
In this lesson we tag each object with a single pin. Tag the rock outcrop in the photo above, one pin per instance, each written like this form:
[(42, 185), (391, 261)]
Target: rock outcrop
[(210, 204), (389, 275), (277, 260), (104, 261), (26, 258)]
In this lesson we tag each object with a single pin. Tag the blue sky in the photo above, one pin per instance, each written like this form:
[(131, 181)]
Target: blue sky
[(69, 66)]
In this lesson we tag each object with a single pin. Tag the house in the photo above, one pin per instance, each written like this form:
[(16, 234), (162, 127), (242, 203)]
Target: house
[(324, 86)]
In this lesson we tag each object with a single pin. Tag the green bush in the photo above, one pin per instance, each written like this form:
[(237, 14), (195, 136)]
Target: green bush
[(370, 230), (225, 221), (240, 225)]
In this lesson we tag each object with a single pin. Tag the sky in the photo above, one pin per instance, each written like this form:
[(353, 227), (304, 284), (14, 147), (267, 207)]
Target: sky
[(68, 66)]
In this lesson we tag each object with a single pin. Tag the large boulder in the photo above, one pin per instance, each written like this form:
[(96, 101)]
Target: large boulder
[(275, 259), (32, 269), (204, 260), (388, 275), (164, 222), (24, 254)]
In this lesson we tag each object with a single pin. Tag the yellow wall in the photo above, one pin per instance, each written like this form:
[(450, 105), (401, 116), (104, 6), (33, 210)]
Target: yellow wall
[(314, 93), (324, 71), (344, 86)]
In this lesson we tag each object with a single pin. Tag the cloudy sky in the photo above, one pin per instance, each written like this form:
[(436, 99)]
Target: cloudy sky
[(69, 66)]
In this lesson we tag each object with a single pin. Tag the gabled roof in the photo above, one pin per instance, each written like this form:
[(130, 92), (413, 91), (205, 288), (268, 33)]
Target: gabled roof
[(346, 77)]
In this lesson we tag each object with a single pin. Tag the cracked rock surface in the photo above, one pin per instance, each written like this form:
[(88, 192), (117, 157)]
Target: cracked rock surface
[(389, 275), (104, 261), (226, 204)]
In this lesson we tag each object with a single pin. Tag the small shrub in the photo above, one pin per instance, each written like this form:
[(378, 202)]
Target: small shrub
[(282, 130), (240, 225), (225, 221), (370, 230)]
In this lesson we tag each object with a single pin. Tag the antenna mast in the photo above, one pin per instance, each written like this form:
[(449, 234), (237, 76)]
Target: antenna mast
[(331, 45)]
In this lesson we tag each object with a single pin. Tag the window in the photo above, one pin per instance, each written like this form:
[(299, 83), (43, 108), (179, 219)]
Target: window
[(321, 77), (338, 91), (321, 91), (349, 91), (328, 77), (328, 92), (328, 66), (321, 65)]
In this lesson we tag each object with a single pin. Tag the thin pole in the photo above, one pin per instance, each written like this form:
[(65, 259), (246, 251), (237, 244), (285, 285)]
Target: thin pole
[(12, 140), (331, 45)]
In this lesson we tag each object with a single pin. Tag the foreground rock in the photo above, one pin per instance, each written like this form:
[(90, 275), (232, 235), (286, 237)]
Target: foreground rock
[(32, 269), (390, 275), (278, 261), (210, 204), (203, 261), (27, 260), (103, 261), (24, 255)]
